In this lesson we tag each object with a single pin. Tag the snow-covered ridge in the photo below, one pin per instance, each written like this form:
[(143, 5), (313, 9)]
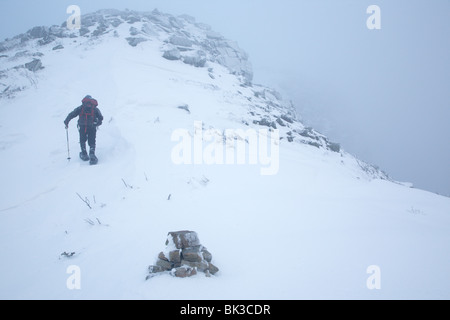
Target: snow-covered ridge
[(183, 38), (24, 57)]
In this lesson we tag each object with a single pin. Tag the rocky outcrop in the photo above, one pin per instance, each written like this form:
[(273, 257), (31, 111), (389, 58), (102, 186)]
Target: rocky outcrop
[(34, 65), (182, 38)]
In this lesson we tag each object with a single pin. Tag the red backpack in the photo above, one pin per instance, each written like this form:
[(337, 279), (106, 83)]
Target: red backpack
[(87, 115)]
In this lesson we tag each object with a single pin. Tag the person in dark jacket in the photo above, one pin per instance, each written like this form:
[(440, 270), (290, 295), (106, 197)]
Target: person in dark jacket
[(89, 119)]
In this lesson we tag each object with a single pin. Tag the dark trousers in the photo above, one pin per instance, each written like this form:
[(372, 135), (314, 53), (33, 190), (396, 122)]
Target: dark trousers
[(89, 134)]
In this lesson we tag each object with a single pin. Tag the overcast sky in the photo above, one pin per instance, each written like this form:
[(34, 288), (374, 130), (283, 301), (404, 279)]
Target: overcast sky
[(383, 94)]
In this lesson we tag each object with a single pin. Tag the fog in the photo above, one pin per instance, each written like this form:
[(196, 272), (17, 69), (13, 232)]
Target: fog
[(383, 94)]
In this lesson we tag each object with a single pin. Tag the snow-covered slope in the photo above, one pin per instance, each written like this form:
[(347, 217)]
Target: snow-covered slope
[(311, 230)]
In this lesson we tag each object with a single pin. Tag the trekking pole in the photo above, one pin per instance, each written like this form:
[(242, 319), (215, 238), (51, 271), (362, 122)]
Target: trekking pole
[(68, 148)]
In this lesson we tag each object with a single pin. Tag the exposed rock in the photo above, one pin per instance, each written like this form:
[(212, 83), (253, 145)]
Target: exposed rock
[(155, 269), (192, 254), (46, 40), (201, 266), (235, 59), (185, 107), (173, 54), (314, 144), (34, 65), (133, 19), (38, 32), (21, 54), (197, 60), (58, 32), (116, 22), (84, 31), (206, 254), (180, 41), (162, 256), (308, 133), (213, 269), (335, 147), (287, 118), (134, 31), (101, 29), (184, 261), (266, 122), (280, 122), (183, 239), (149, 30), (135, 41), (174, 257), (166, 265), (184, 272)]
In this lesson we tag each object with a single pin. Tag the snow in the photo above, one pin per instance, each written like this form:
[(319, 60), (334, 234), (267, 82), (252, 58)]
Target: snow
[(311, 231)]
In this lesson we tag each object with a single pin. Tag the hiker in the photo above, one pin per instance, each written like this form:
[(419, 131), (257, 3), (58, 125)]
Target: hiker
[(90, 118)]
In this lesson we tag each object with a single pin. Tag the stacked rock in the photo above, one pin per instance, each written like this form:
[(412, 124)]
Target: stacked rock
[(183, 257)]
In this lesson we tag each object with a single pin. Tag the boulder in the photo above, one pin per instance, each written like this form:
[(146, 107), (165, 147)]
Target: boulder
[(135, 41), (173, 54), (192, 254), (38, 32), (34, 65), (175, 257), (162, 256), (180, 41), (287, 118), (184, 272), (165, 265), (206, 255), (201, 266), (280, 122), (335, 147), (155, 269), (134, 31), (198, 59), (266, 122), (84, 31), (46, 40), (213, 269), (183, 239)]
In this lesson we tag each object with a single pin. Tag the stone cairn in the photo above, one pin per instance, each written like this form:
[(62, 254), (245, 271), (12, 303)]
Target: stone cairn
[(184, 257)]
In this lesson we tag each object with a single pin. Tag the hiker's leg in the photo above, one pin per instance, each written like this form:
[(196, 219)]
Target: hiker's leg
[(92, 136), (83, 138)]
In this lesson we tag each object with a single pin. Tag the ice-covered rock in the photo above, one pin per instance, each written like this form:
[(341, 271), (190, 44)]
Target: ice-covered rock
[(172, 54), (34, 65), (183, 257)]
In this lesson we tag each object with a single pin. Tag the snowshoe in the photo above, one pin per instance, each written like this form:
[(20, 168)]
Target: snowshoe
[(93, 159), (84, 156)]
